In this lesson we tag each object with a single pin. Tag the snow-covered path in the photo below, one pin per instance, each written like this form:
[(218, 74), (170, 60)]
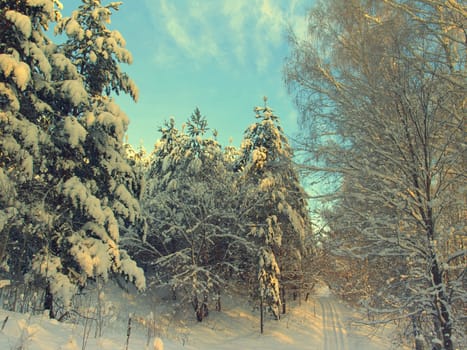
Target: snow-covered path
[(334, 331), (322, 323), (338, 331)]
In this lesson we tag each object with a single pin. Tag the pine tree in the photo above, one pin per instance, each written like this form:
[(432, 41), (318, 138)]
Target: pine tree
[(62, 159), (28, 61), (107, 175), (160, 180), (192, 223), (96, 50), (280, 220)]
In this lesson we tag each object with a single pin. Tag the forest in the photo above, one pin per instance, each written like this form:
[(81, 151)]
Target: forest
[(370, 196)]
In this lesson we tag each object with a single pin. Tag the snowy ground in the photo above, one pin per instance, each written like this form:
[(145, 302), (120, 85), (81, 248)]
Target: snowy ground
[(322, 323)]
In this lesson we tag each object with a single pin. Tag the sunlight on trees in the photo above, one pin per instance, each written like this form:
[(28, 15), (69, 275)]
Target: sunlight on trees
[(382, 86)]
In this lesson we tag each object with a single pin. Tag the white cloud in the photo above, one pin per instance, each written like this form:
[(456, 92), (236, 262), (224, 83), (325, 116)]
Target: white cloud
[(298, 20), (235, 11), (173, 25), (163, 55), (230, 33), (272, 21)]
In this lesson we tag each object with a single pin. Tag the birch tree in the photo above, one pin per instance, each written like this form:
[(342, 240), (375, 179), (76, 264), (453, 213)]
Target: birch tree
[(381, 86)]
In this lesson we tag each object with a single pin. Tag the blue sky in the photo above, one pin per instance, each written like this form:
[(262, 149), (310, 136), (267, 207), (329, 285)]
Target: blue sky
[(222, 56)]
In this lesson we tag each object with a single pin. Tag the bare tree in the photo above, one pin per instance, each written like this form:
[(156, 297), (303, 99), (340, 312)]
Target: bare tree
[(381, 86)]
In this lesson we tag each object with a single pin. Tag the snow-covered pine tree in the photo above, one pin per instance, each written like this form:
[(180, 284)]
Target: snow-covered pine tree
[(28, 62), (22, 46), (192, 225), (62, 150), (95, 50), (280, 220), (139, 160), (160, 178)]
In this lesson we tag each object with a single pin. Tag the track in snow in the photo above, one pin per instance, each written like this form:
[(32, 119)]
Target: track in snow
[(334, 332)]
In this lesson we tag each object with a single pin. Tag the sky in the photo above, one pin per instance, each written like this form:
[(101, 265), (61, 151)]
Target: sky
[(221, 56)]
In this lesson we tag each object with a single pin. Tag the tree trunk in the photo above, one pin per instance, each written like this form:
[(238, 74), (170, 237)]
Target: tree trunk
[(201, 309), (419, 344), (218, 302), (284, 306), (261, 314), (440, 301), (49, 302)]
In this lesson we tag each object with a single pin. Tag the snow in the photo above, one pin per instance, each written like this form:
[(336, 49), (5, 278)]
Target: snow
[(29, 133), (117, 43), (73, 28), (195, 165), (75, 131), (136, 274), (89, 118), (75, 92), (266, 183), (10, 146), (101, 14), (81, 198), (27, 165), (7, 64), (158, 344), (116, 119), (22, 22), (46, 5), (92, 57), (118, 37), (61, 62), (92, 255), (131, 206), (49, 266), (259, 157), (320, 323), (42, 61), (22, 75), (99, 42)]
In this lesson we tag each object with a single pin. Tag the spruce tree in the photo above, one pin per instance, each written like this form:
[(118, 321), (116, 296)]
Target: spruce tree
[(193, 224), (62, 159), (25, 118), (280, 220)]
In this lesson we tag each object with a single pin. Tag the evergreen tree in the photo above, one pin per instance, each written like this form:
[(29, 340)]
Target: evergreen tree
[(25, 74), (192, 224), (139, 160), (95, 50), (280, 220), (61, 159), (159, 210)]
